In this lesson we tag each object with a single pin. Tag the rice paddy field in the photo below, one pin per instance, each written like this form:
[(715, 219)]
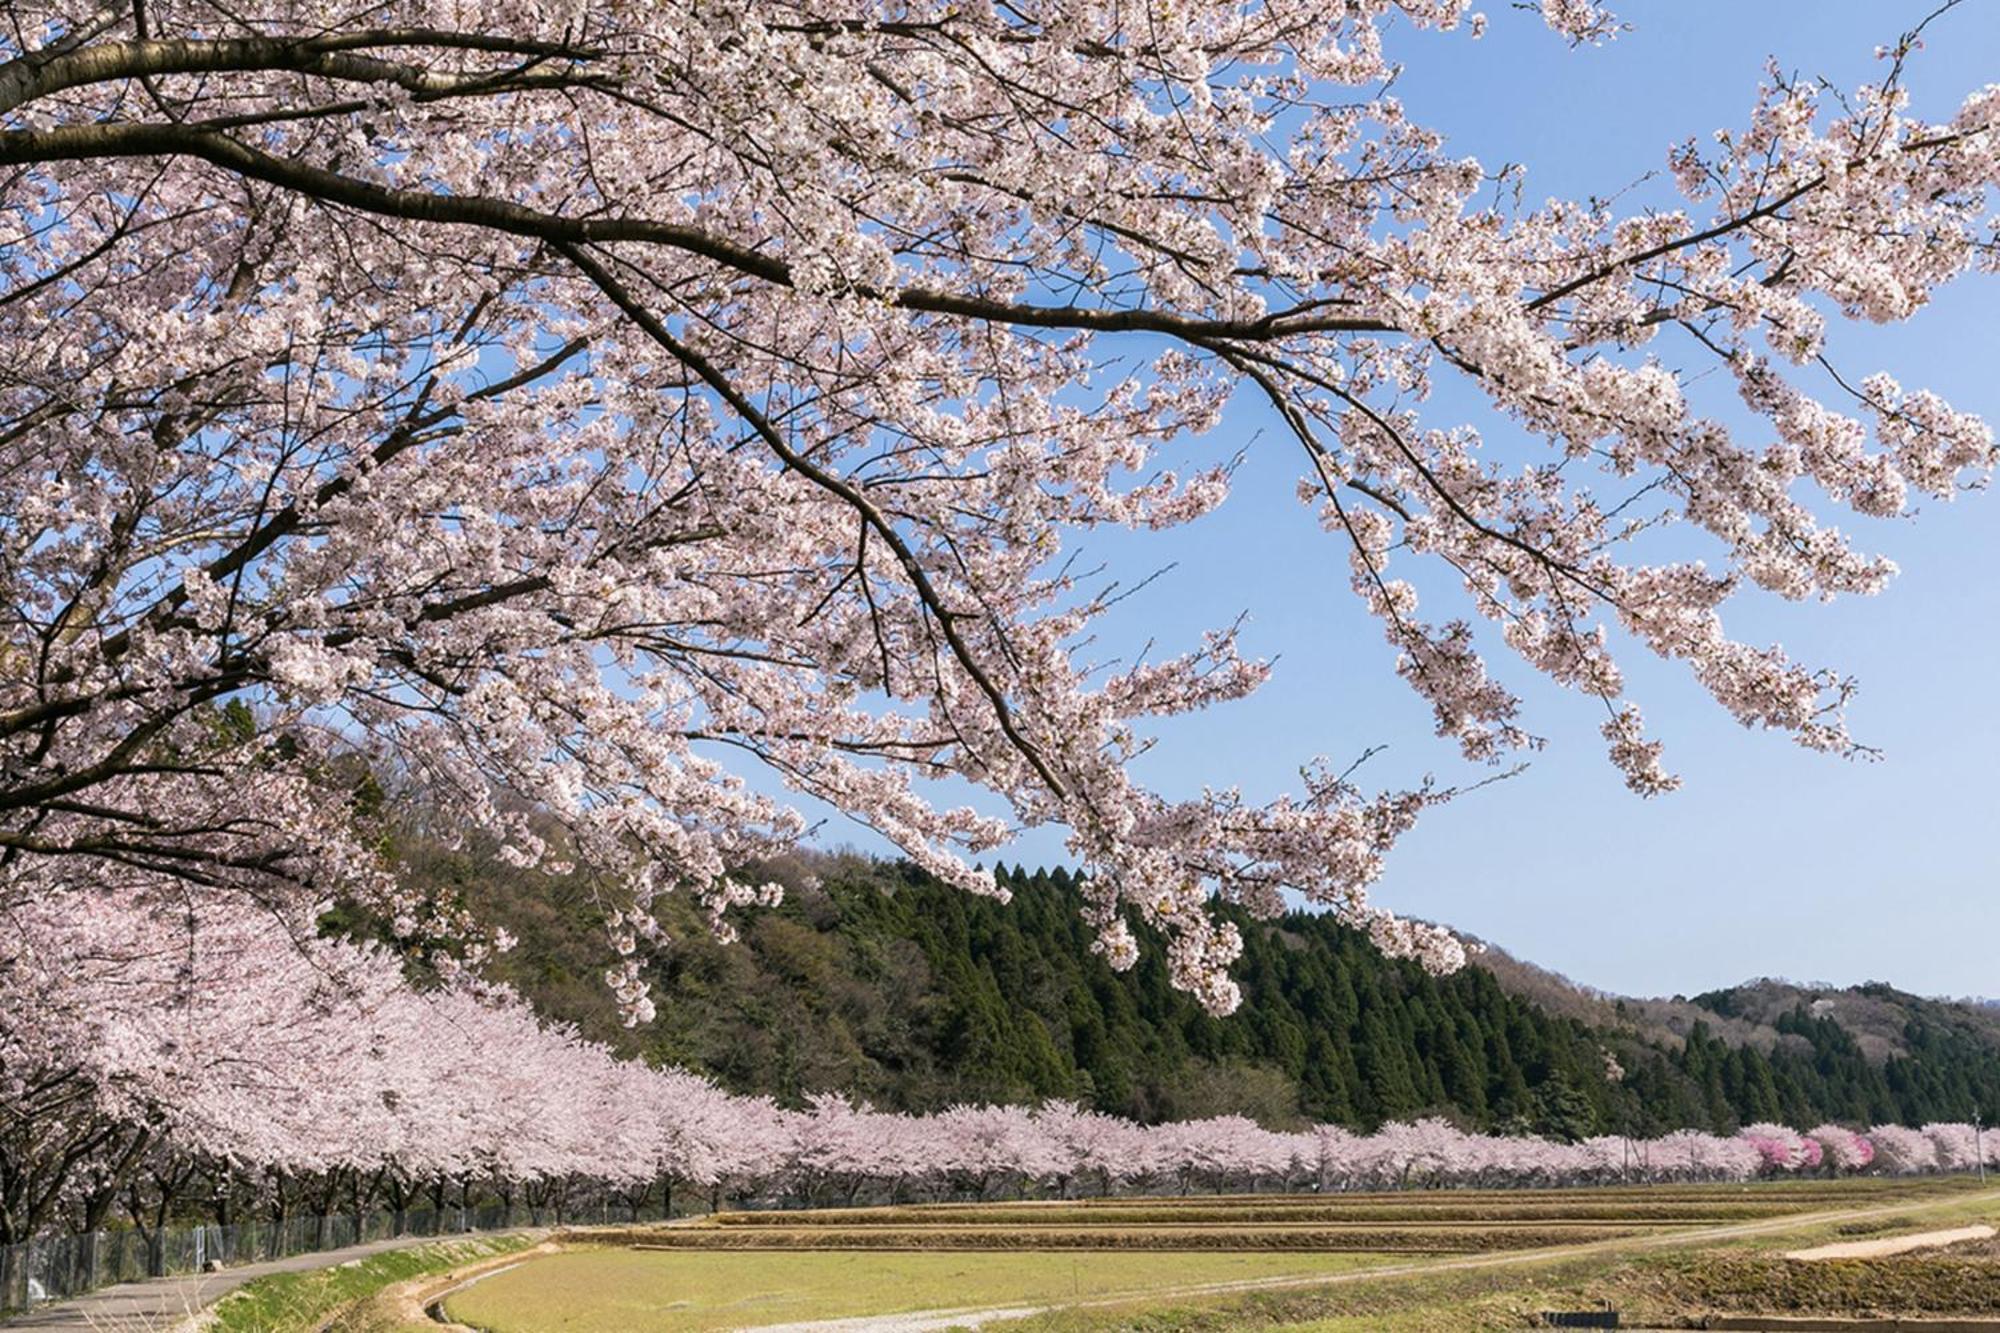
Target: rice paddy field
[(1460, 1259), (680, 1291)]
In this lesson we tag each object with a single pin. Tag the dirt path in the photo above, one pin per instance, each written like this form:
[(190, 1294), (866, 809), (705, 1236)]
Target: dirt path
[(1886, 1245), (928, 1321)]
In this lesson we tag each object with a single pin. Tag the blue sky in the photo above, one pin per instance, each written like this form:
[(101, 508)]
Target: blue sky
[(1770, 860)]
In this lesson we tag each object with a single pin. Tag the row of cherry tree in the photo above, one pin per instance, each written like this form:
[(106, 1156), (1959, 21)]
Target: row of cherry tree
[(238, 1068)]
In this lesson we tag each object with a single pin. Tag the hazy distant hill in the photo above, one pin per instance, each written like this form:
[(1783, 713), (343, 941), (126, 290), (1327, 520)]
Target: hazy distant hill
[(882, 983), (1877, 1015)]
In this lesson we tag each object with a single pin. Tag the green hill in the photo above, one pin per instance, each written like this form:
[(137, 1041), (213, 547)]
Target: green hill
[(874, 980)]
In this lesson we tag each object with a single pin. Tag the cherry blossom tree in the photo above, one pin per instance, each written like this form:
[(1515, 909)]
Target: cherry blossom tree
[(1689, 1154), (1902, 1151), (985, 1147), (1087, 1144), (1956, 1145), (572, 407), (1780, 1149), (567, 411), (1843, 1149), (841, 1146), (125, 1047), (1335, 1156)]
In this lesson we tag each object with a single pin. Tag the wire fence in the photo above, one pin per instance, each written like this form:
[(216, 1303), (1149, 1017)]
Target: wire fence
[(53, 1268)]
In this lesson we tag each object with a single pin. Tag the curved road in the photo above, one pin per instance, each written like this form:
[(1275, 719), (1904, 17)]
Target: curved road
[(158, 1305)]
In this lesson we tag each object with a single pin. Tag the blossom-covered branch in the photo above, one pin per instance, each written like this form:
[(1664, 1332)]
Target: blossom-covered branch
[(567, 409)]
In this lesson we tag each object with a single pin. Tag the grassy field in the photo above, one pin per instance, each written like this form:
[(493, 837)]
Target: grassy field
[(652, 1292), (1447, 1260)]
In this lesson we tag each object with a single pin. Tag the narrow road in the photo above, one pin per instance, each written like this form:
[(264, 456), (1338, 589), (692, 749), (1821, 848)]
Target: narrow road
[(158, 1305), (929, 1321)]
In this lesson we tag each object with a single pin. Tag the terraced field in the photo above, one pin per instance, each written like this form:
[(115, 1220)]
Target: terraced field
[(1437, 1238), (802, 1268), (1438, 1222)]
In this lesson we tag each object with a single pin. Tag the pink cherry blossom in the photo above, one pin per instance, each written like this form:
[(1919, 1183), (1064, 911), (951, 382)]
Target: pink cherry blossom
[(575, 409)]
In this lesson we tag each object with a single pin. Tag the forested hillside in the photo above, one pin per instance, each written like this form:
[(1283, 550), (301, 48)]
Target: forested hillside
[(877, 981)]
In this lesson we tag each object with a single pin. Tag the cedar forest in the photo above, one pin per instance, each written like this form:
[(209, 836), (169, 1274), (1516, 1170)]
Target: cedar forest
[(875, 980)]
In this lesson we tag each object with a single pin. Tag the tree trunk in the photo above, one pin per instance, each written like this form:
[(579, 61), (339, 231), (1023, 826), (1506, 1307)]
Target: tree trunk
[(323, 1227), (274, 1244)]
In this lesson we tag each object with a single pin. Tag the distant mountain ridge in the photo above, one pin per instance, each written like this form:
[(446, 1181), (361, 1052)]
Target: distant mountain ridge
[(1875, 1013), (875, 980)]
